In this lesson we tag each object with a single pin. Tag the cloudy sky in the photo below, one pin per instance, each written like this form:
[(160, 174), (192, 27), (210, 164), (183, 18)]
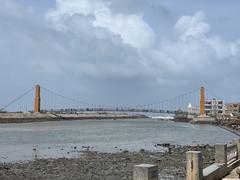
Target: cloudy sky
[(121, 52)]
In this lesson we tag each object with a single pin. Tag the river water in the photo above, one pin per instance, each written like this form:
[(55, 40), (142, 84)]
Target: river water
[(20, 142)]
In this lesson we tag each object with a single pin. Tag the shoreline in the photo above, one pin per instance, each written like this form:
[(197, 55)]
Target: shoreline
[(229, 129), (47, 117), (226, 126), (95, 165)]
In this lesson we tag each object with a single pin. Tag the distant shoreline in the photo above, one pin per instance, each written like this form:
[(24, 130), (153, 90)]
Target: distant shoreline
[(45, 117)]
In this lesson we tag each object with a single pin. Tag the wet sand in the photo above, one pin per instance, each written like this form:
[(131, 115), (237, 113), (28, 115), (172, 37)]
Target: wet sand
[(106, 166)]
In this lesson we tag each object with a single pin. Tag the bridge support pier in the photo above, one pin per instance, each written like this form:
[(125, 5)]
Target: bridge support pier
[(202, 101), (37, 100)]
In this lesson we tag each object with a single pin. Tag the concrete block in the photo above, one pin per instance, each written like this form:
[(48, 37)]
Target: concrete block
[(221, 154), (145, 172), (194, 165), (237, 142)]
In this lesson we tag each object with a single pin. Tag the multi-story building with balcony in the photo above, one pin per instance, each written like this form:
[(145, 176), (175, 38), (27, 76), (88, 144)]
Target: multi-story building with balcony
[(232, 108), (214, 107)]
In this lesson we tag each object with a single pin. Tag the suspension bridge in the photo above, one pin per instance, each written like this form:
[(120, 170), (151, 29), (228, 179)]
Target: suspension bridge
[(43, 100)]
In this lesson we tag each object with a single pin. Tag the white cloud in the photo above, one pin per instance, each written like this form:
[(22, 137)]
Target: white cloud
[(195, 54), (71, 7), (195, 29), (89, 47), (224, 49), (192, 26), (132, 29)]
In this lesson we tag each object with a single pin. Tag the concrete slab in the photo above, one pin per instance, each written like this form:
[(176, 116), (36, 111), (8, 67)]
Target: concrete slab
[(232, 175)]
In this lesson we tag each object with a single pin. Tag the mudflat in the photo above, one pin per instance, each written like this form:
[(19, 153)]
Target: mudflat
[(106, 166)]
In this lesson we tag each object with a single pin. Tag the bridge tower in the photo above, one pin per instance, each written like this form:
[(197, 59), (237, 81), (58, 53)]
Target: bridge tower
[(37, 99), (202, 101)]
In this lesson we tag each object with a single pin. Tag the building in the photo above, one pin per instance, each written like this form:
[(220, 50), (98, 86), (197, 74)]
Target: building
[(192, 110), (214, 107), (232, 108)]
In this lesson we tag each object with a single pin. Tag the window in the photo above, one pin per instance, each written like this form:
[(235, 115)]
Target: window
[(208, 107)]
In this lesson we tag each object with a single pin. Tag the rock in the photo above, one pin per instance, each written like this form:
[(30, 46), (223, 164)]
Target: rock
[(164, 145), (142, 150), (104, 166)]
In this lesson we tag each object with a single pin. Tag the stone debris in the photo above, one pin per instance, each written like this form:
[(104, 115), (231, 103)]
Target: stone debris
[(105, 166)]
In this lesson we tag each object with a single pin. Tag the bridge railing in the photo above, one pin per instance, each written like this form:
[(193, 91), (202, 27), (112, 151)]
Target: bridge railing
[(232, 153), (226, 159)]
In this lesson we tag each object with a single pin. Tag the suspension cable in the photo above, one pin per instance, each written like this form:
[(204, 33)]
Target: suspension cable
[(216, 96), (69, 98), (166, 100), (17, 99)]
